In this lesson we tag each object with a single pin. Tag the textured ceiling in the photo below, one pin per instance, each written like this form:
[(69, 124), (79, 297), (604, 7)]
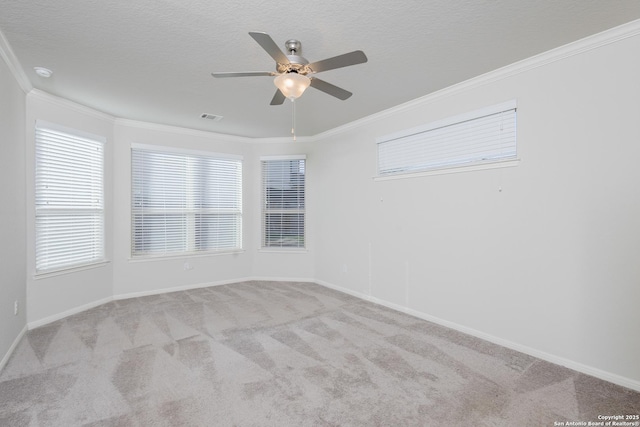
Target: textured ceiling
[(151, 60)]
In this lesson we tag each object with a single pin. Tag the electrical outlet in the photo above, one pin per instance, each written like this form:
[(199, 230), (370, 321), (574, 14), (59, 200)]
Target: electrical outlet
[(15, 308)]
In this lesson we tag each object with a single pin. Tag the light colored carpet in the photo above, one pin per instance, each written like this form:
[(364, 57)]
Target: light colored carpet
[(282, 354)]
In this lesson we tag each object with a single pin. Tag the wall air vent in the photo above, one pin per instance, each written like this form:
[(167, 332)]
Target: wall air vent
[(211, 117)]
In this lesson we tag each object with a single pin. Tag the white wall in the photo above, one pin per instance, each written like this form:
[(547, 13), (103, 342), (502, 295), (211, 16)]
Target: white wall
[(550, 264), (51, 296), (12, 210)]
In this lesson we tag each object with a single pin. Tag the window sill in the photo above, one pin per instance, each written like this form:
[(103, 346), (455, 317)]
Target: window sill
[(455, 169), (70, 270), (284, 250)]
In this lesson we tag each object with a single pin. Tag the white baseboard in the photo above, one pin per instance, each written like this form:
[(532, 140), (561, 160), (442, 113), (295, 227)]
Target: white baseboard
[(6, 357), (282, 279), (177, 289), (576, 366), (67, 313), (79, 309), (207, 285)]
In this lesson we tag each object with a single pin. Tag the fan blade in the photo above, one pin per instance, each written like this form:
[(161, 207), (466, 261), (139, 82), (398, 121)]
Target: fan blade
[(351, 58), (330, 89), (270, 46), (244, 74), (278, 98)]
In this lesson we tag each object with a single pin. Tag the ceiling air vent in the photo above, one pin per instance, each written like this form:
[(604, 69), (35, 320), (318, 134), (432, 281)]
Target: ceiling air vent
[(211, 117)]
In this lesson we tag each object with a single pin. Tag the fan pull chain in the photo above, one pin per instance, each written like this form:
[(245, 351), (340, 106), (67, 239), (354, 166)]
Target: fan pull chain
[(293, 119)]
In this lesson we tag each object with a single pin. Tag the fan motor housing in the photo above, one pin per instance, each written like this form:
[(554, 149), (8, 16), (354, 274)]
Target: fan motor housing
[(296, 64), (293, 46)]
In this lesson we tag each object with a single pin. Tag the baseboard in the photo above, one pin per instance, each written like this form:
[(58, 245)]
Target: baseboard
[(282, 279), (67, 313), (79, 309), (576, 366), (179, 288), (6, 357), (557, 360)]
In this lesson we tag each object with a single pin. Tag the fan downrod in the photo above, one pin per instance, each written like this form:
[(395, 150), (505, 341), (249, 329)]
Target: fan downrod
[(293, 46), (297, 63)]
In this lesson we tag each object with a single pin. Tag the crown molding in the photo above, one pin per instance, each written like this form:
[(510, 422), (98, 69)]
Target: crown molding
[(208, 134), (578, 47), (157, 127), (283, 140), (83, 109), (13, 64), (71, 105), (613, 35)]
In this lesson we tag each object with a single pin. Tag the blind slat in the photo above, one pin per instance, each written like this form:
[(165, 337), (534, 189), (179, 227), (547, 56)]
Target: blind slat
[(69, 199), (184, 202), (283, 201), (488, 137)]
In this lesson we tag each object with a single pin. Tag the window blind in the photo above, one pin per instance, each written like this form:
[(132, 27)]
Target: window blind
[(283, 201), (476, 138), (69, 198), (184, 203)]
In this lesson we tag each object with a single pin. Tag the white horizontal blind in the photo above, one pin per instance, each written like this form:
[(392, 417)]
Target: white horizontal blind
[(484, 138), (184, 203), (283, 201), (69, 199)]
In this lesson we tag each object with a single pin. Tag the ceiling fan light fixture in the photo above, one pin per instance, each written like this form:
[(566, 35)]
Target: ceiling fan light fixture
[(292, 85)]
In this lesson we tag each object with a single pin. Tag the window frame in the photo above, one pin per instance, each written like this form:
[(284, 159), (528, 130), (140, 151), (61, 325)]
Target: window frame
[(191, 237), (264, 211), (94, 208)]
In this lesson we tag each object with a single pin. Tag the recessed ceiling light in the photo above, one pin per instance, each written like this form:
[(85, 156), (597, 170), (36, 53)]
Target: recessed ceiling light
[(43, 72)]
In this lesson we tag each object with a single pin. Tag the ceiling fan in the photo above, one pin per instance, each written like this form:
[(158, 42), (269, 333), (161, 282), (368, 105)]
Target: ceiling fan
[(294, 73)]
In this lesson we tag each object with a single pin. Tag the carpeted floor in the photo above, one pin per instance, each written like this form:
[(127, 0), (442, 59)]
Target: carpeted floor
[(282, 354)]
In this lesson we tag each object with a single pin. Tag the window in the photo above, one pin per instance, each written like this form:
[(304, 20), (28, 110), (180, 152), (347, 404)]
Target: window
[(184, 202), (283, 216), (69, 198), (483, 136)]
